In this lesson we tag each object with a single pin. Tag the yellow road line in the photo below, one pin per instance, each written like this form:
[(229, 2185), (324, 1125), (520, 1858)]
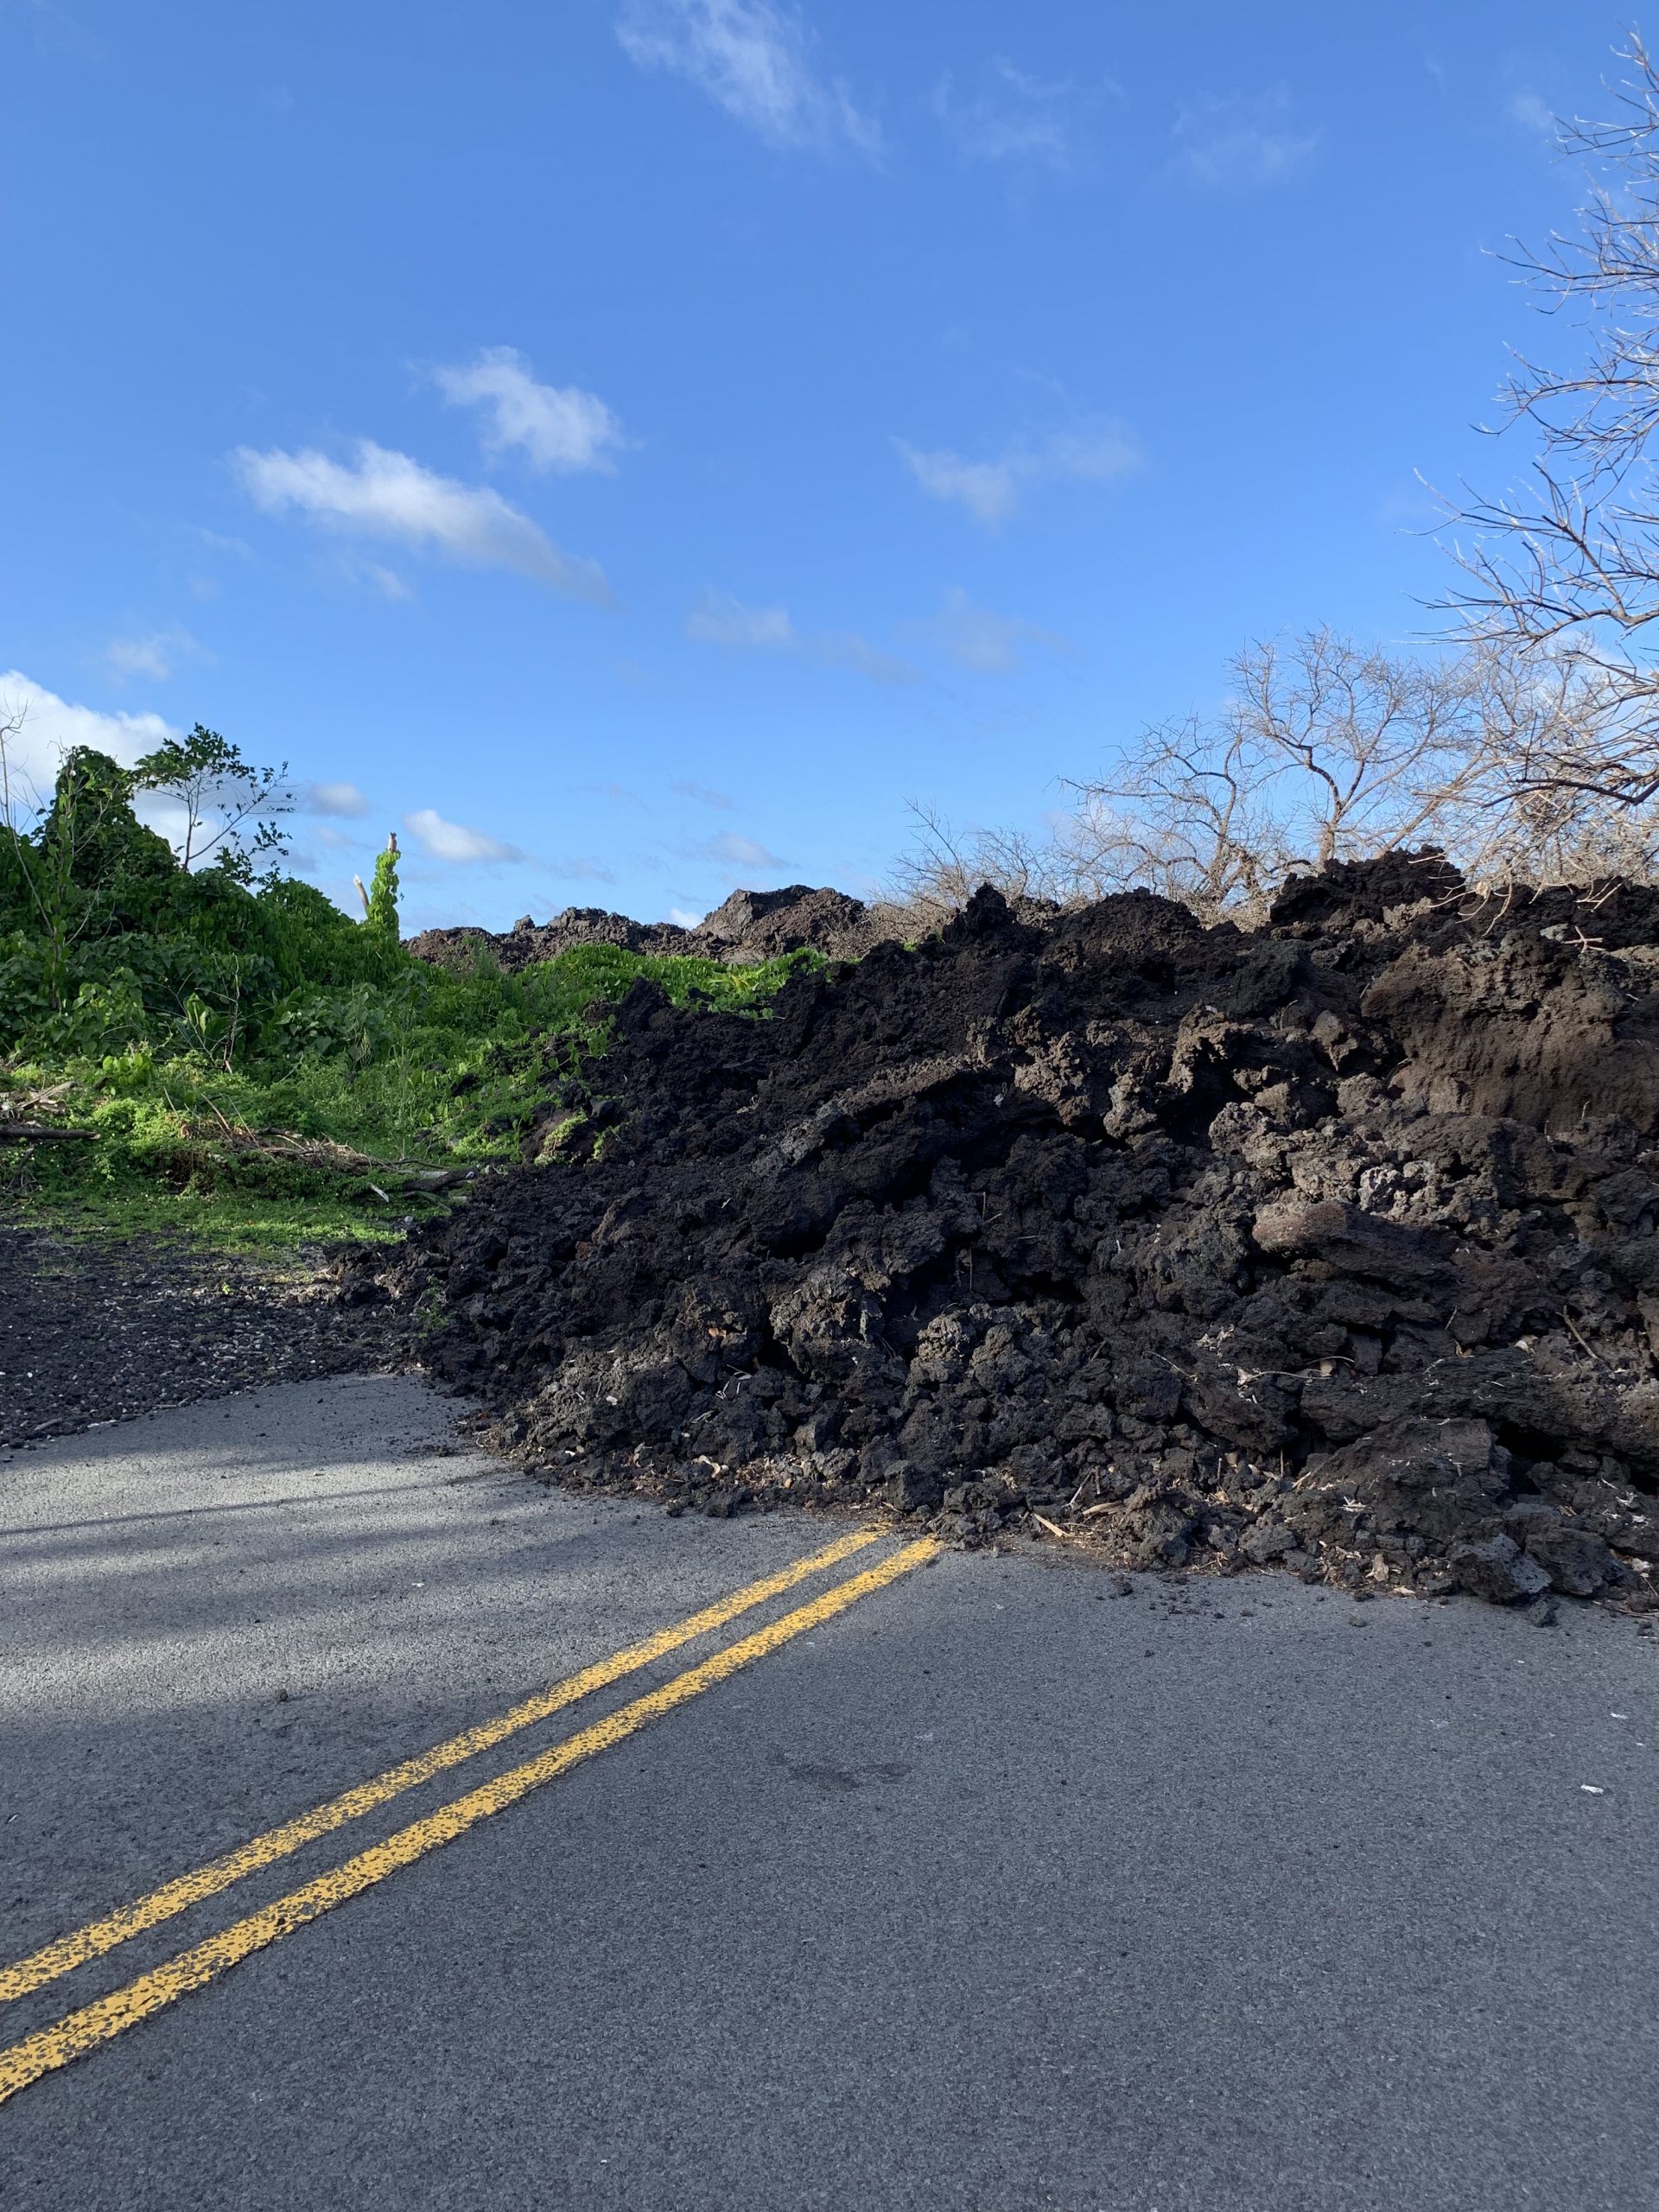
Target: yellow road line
[(98, 1936), (80, 2032)]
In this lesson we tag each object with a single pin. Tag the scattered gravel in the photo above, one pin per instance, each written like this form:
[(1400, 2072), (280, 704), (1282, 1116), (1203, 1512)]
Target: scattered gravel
[(94, 1331)]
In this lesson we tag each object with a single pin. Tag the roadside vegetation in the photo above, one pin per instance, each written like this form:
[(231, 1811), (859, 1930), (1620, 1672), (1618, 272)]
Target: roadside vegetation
[(215, 1047)]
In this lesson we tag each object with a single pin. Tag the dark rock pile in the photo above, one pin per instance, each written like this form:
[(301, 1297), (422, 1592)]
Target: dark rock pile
[(752, 925), (1332, 1244)]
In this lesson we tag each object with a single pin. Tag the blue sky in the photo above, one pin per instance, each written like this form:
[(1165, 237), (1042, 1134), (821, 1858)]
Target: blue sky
[(634, 446)]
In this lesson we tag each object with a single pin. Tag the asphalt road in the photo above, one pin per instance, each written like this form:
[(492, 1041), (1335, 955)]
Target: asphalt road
[(989, 1890)]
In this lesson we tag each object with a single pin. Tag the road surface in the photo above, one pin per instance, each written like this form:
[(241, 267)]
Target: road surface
[(907, 1879)]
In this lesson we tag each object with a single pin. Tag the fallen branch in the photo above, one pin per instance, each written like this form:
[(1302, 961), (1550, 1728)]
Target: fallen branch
[(39, 1132), (1588, 1347), (323, 1153)]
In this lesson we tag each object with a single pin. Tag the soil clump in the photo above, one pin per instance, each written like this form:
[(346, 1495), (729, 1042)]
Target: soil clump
[(1333, 1244)]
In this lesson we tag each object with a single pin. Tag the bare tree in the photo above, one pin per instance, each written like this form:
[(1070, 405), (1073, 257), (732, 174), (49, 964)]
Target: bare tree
[(1324, 750), (945, 867), (1519, 819), (19, 799), (1566, 567), (1183, 815)]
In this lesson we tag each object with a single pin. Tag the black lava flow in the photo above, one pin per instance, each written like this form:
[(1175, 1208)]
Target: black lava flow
[(1331, 1244)]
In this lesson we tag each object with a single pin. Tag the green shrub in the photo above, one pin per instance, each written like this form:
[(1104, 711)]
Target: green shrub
[(210, 1028)]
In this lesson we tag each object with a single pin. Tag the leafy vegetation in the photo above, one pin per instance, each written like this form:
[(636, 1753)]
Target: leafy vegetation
[(251, 1064)]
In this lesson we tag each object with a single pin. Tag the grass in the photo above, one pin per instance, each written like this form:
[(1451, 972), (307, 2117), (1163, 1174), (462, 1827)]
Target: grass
[(312, 1125)]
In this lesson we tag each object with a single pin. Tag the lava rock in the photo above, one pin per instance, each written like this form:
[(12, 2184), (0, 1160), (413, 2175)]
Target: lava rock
[(1576, 1560), (1497, 1568)]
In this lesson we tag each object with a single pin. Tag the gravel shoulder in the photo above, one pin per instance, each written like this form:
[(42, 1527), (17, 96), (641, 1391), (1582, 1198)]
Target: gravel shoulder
[(100, 1330)]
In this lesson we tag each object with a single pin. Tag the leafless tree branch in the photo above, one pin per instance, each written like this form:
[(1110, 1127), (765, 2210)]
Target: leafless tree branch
[(1326, 751), (1566, 567)]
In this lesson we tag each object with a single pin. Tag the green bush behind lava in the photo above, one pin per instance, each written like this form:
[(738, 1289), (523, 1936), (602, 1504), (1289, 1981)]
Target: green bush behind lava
[(248, 1057)]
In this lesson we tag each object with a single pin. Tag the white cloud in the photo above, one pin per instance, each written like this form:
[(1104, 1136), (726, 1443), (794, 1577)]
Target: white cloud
[(1095, 453), (156, 656), (845, 649), (332, 839), (1234, 142), (555, 428), (139, 657), (1528, 109), (720, 619), (730, 850), (978, 638), (684, 916), (753, 60), (989, 489), (704, 796), (386, 582), (215, 542), (452, 841), (1019, 118), (344, 801), (50, 726), (388, 495)]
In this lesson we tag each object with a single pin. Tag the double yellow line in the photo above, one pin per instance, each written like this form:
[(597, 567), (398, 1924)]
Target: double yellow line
[(84, 2030)]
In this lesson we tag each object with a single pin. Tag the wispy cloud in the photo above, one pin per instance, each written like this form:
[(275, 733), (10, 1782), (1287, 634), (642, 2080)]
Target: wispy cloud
[(453, 841), (387, 495), (618, 794), (1237, 141), (989, 489), (215, 541), (1533, 114), (555, 427), (155, 655), (343, 801), (755, 60), (377, 576), (730, 850), (979, 638), (1018, 118), (53, 29), (704, 796), (720, 619), (845, 648), (1097, 452), (333, 841), (204, 584)]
